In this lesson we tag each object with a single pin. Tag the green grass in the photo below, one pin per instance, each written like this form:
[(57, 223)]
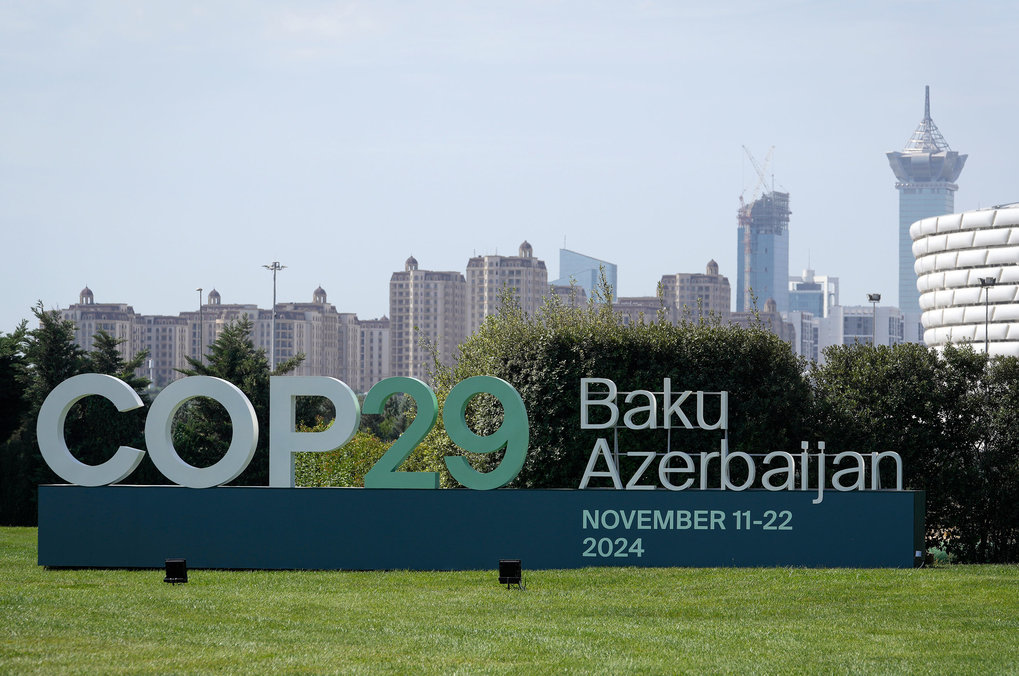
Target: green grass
[(952, 619)]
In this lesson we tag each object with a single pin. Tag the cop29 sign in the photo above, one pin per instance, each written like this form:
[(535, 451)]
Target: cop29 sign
[(689, 520), (284, 439)]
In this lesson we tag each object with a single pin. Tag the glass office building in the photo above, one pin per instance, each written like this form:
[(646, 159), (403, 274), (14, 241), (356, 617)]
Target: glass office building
[(585, 271), (925, 171)]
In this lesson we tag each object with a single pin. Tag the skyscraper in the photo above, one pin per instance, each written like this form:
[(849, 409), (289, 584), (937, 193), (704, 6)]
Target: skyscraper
[(691, 295), (762, 253), (925, 172), (585, 271), (425, 306), (488, 276)]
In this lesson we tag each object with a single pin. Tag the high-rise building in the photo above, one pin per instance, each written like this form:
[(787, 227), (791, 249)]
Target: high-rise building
[(327, 338), (762, 253), (206, 324), (813, 293), (166, 339), (373, 349), (585, 272), (90, 317), (426, 308), (807, 328), (488, 276), (692, 295), (925, 174)]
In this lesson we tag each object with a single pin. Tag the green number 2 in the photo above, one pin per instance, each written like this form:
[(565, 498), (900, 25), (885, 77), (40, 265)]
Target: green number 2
[(383, 473), (513, 434)]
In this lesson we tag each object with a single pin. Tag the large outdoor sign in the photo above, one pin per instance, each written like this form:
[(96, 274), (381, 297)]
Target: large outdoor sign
[(676, 508)]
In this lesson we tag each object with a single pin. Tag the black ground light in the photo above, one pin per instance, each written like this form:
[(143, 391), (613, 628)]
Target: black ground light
[(176, 571), (510, 573)]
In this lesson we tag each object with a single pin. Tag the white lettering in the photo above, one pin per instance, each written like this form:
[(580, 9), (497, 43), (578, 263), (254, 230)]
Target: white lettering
[(726, 458), (651, 422), (601, 450), (632, 484), (674, 408), (789, 470), (50, 430), (875, 469), (836, 480), (608, 401), (664, 470), (285, 440), (159, 425)]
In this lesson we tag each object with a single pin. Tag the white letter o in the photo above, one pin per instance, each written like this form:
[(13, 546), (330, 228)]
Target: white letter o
[(159, 424)]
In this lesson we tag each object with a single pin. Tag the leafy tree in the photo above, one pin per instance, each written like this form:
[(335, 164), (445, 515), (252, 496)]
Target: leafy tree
[(545, 356), (94, 428), (202, 432), (12, 402), (50, 356), (40, 360), (924, 405), (398, 414), (997, 518)]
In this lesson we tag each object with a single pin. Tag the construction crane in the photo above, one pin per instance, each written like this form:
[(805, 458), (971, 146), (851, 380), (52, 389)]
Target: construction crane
[(744, 220)]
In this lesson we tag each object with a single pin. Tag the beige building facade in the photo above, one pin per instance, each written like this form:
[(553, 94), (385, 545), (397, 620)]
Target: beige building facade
[(373, 352), (488, 276), (330, 341), (691, 295), (425, 308)]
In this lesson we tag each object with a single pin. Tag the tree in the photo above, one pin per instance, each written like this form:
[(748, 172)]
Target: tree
[(923, 404), (12, 362), (40, 360), (202, 432), (399, 412), (545, 356), (998, 466), (95, 428)]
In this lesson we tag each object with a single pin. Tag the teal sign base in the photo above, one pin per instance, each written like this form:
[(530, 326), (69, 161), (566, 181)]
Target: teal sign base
[(384, 529)]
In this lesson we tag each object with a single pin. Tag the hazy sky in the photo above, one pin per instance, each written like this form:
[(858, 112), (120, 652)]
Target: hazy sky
[(149, 148)]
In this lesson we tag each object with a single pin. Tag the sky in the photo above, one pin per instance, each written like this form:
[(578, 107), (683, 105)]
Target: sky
[(151, 148)]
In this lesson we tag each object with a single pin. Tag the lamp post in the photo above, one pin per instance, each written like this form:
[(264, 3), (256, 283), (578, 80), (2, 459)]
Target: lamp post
[(874, 299), (986, 283), (275, 267), (201, 326)]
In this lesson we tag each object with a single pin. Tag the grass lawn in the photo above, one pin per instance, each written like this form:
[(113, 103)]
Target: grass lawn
[(952, 619)]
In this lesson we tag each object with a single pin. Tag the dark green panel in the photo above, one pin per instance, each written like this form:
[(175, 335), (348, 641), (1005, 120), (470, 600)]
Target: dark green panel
[(355, 528)]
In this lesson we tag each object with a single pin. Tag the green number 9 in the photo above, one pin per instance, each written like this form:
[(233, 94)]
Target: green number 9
[(512, 435)]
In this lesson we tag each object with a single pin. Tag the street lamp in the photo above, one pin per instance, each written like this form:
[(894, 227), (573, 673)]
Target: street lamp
[(986, 283), (275, 267), (874, 299), (201, 348)]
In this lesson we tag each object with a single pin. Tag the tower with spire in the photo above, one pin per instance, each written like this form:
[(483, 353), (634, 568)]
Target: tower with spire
[(925, 174)]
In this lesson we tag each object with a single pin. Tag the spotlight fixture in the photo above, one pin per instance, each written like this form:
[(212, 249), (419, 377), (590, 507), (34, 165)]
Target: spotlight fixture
[(511, 573), (176, 571)]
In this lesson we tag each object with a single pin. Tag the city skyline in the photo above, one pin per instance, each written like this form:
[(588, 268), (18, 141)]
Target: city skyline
[(149, 150)]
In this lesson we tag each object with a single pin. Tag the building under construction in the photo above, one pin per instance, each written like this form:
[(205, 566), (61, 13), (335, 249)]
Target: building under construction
[(763, 253)]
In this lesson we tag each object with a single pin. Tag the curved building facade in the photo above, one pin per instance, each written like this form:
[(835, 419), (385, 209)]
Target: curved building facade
[(967, 268)]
